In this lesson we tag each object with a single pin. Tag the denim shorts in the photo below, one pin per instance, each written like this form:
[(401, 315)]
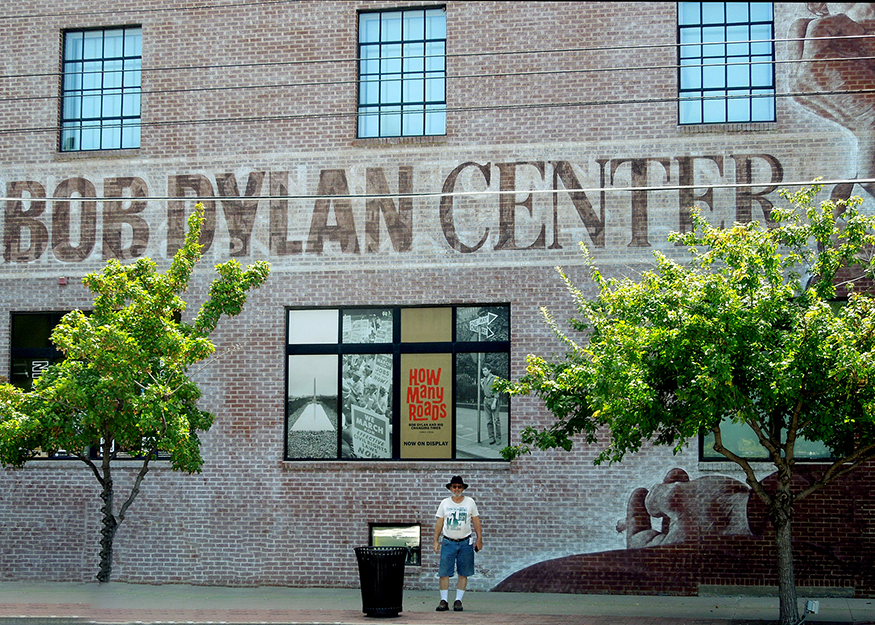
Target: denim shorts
[(456, 556)]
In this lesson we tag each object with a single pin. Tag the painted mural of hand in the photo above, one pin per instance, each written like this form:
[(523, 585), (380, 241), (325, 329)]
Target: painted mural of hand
[(830, 73)]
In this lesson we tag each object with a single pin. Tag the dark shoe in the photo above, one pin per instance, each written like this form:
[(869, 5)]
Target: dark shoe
[(443, 606), (457, 606), (491, 441)]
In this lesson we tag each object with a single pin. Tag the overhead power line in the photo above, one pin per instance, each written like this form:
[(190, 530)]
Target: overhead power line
[(455, 77), (455, 194), (459, 109), (477, 54)]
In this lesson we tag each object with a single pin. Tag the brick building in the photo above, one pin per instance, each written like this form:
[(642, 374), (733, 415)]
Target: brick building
[(413, 173)]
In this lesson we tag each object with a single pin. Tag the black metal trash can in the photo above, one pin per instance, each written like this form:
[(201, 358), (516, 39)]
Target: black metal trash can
[(381, 572)]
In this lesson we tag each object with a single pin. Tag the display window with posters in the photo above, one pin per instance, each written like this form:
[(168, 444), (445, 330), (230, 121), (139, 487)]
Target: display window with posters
[(397, 383)]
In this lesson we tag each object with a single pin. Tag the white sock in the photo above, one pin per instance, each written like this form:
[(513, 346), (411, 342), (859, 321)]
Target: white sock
[(444, 595), (459, 594)]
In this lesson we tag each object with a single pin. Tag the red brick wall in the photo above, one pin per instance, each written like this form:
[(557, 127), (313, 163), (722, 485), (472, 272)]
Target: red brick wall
[(602, 76)]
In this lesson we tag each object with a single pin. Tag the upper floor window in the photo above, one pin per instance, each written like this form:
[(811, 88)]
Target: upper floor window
[(740, 439), (726, 62), (397, 383), (100, 107), (402, 73)]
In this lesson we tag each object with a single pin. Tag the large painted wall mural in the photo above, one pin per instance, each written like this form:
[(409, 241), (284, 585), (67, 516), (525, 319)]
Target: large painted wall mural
[(833, 68), (681, 531)]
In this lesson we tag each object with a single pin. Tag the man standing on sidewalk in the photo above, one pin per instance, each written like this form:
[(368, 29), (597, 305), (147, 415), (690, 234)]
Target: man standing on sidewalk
[(456, 516)]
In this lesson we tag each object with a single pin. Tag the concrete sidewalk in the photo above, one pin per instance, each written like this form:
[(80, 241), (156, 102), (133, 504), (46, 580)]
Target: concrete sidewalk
[(62, 603)]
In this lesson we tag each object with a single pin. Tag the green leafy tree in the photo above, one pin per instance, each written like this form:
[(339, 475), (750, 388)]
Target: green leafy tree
[(745, 334), (125, 384)]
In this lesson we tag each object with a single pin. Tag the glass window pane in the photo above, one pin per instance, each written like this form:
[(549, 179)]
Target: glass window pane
[(435, 57), (112, 104), (761, 12), (93, 44), (369, 124), (131, 135), (370, 63), (761, 34), (739, 438), (738, 109), (435, 24), (369, 92), (691, 78), (73, 46), (72, 76), (373, 325), (133, 42), (390, 91), (391, 56), (113, 43), (92, 76), (483, 323), (132, 75), (91, 106), (691, 112), (69, 138), (414, 54), (390, 29), (689, 37), (369, 27), (366, 415), (390, 121), (713, 77), (312, 407), (426, 325), (713, 12), (386, 535), (313, 326), (738, 75), (737, 12), (112, 75), (425, 419), (434, 90), (90, 136), (414, 91), (435, 120), (761, 74), (413, 122), (131, 105), (414, 25), (33, 330), (689, 12), (714, 110), (763, 108), (481, 411), (72, 106), (111, 137)]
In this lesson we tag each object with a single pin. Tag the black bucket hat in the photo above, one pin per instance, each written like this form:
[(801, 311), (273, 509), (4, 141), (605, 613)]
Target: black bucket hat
[(457, 479)]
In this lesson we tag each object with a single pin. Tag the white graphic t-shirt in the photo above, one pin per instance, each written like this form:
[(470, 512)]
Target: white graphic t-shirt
[(457, 517)]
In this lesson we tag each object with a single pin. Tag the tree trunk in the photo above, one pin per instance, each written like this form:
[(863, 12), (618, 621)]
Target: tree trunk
[(107, 533), (781, 514)]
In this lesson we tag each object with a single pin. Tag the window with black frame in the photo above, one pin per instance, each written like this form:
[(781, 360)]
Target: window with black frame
[(402, 73), (100, 104), (31, 353), (397, 383), (740, 439), (726, 62)]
